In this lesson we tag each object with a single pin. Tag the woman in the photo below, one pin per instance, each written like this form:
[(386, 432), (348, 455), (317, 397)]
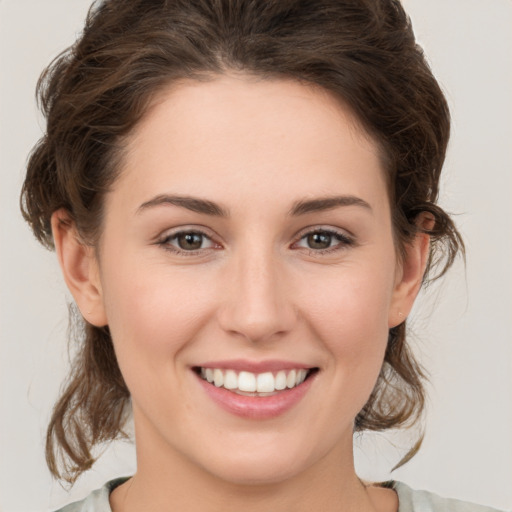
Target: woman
[(242, 197)]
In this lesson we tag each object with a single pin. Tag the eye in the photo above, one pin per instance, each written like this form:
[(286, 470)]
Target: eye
[(187, 241), (324, 240)]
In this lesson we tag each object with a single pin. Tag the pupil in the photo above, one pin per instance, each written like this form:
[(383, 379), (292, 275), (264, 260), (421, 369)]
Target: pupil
[(190, 241), (319, 240)]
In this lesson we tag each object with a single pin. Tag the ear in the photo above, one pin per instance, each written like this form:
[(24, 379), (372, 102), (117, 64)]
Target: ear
[(410, 271), (80, 268)]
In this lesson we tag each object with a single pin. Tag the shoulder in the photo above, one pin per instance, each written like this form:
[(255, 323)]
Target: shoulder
[(97, 501), (411, 500)]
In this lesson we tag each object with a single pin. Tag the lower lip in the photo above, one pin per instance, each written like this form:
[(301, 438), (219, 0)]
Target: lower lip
[(257, 407)]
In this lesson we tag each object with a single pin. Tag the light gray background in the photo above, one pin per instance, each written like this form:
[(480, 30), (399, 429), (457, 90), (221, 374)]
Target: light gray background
[(462, 328)]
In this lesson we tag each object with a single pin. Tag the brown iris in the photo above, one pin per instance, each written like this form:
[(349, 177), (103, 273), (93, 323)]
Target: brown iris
[(189, 241), (319, 240)]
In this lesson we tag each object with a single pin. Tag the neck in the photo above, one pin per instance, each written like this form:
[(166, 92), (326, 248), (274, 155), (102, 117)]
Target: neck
[(167, 480)]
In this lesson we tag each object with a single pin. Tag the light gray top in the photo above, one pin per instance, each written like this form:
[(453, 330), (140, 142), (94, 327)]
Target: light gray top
[(409, 500)]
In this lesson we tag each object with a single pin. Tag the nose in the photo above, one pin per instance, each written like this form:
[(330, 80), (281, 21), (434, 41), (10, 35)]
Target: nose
[(257, 300)]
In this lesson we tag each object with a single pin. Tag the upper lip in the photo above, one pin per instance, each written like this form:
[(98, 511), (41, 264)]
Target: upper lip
[(271, 365)]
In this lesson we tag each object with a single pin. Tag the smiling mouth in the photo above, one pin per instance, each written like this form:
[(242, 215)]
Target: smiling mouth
[(255, 384)]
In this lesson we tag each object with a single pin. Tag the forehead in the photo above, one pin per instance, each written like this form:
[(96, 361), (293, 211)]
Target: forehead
[(251, 133)]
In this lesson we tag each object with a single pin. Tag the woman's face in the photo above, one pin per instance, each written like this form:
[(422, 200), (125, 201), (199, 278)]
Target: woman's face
[(248, 240)]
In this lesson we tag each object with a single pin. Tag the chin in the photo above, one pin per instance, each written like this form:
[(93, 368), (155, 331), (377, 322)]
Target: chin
[(267, 462)]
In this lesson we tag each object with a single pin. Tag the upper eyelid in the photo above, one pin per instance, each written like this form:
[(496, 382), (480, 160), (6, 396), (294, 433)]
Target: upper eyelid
[(323, 229), (207, 231), (172, 232)]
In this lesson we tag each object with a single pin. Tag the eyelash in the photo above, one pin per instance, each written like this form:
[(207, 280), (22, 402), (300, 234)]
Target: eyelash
[(344, 241)]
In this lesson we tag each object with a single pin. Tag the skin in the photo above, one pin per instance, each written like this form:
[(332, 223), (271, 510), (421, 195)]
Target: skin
[(254, 290)]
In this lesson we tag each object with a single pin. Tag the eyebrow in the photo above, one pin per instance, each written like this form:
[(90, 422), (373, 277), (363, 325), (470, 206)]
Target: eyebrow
[(190, 203), (327, 203), (206, 207)]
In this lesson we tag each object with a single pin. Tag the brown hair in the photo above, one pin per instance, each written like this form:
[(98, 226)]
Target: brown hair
[(94, 93)]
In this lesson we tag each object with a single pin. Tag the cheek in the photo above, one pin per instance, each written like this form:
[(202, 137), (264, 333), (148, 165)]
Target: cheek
[(350, 317), (153, 314)]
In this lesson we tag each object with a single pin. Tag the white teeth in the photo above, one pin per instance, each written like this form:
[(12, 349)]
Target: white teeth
[(246, 381), (280, 383), (218, 377), (230, 380), (249, 382), (291, 379), (265, 383)]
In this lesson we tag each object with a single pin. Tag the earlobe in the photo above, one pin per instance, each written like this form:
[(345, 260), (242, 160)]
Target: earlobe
[(79, 267), (410, 275)]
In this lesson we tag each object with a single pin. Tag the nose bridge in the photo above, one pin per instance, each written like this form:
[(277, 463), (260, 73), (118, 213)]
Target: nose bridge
[(258, 303)]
